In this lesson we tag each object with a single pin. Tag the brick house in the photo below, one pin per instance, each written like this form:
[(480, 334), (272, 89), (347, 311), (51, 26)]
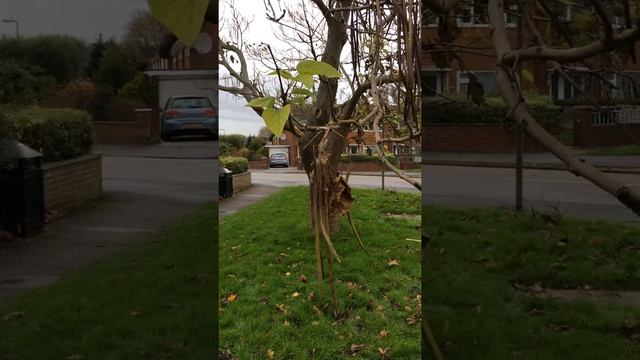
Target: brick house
[(181, 70), (442, 73)]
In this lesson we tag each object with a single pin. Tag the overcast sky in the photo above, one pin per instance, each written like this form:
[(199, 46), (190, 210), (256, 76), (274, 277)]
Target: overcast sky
[(82, 18)]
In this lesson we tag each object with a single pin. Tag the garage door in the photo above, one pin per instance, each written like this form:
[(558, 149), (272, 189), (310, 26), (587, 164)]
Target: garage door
[(176, 87)]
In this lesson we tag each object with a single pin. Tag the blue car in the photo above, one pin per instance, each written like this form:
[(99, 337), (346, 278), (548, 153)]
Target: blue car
[(189, 115)]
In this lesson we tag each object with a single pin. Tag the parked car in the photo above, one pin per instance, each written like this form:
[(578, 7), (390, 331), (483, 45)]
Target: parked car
[(278, 159), (189, 115)]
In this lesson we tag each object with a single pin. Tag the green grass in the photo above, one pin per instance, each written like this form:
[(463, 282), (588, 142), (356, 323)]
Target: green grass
[(152, 301), (261, 244), (475, 312), (627, 150)]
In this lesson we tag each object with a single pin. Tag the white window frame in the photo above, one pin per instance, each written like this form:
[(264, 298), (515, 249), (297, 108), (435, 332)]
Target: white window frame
[(462, 23), (440, 73)]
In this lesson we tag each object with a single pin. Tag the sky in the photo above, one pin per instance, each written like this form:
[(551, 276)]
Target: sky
[(82, 18)]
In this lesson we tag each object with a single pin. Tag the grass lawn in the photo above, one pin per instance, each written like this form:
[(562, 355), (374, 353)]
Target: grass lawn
[(627, 150), (269, 292), (478, 258), (154, 300)]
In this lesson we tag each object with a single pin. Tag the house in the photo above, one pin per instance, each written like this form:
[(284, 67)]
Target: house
[(447, 73), (181, 70)]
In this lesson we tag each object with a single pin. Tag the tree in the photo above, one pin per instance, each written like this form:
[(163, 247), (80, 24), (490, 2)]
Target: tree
[(119, 65), (21, 86), (265, 134), (145, 32), (383, 58)]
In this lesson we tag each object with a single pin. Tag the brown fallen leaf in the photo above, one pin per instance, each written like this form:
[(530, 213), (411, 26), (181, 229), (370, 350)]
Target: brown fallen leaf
[(302, 278), (383, 352), (411, 320), (13, 315), (355, 348), (270, 354), (383, 334), (281, 308), (286, 323), (135, 312), (295, 294), (232, 297), (393, 262)]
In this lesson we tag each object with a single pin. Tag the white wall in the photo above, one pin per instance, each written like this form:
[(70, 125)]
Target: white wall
[(174, 87)]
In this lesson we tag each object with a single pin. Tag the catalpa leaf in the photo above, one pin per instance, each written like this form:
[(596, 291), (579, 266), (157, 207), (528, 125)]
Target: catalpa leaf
[(276, 119), (305, 79), (183, 18), (301, 91), (262, 102), (283, 73), (313, 67)]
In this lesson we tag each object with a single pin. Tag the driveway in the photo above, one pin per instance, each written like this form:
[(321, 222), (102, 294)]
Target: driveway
[(141, 194)]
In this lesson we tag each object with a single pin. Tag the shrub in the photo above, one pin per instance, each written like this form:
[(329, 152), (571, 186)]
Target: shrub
[(237, 165), (244, 153), (139, 89), (59, 134), (363, 157), (262, 151), (77, 94), (494, 111), (20, 85)]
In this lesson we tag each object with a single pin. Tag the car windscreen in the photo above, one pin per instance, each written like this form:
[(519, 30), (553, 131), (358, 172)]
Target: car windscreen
[(190, 103)]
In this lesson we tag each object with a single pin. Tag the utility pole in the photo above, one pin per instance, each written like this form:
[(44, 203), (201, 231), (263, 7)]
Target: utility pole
[(517, 127)]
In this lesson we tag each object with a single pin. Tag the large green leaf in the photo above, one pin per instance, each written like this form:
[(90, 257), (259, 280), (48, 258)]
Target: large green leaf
[(305, 79), (275, 119), (301, 91), (283, 73), (184, 18), (313, 67), (262, 102)]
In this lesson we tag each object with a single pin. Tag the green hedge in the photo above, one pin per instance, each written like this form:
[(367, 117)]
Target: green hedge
[(364, 157), (237, 165), (494, 111), (59, 134)]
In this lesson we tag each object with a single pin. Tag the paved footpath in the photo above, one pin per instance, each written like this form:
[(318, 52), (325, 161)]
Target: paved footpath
[(244, 198), (141, 195)]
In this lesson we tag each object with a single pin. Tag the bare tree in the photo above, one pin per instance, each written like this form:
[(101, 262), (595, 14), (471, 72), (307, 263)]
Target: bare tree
[(146, 32), (383, 59)]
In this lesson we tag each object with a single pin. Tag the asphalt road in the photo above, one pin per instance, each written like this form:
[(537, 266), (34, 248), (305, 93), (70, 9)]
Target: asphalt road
[(273, 177), (543, 189)]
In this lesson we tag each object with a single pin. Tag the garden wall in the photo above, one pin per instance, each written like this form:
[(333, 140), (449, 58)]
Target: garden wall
[(139, 129), (259, 164), (476, 137), (69, 184), (593, 129), (241, 181)]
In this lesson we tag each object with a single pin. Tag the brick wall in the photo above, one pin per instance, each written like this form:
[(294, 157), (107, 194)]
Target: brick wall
[(258, 164), (141, 129), (475, 138), (241, 181), (585, 134), (71, 183)]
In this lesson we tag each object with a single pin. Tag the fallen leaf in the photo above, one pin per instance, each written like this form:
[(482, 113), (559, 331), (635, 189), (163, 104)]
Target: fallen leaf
[(311, 296), (411, 320), (295, 294), (302, 278), (536, 287), (286, 323), (355, 348), (383, 334), (13, 315), (383, 352), (393, 262), (281, 308), (287, 273), (232, 297), (135, 312), (270, 354)]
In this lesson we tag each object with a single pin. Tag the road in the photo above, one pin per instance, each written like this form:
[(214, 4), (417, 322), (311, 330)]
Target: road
[(543, 189), (274, 177)]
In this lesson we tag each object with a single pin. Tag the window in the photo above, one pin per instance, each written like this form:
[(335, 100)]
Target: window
[(510, 15), (486, 78), (432, 83), (628, 86), (562, 11), (475, 14), (561, 89), (430, 19)]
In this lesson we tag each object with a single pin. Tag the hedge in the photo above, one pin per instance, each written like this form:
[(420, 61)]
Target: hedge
[(237, 165), (364, 157), (59, 134), (494, 111)]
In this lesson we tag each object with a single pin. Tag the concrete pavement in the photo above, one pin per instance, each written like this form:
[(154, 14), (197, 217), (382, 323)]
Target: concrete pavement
[(538, 160), (177, 149), (141, 194), (543, 189)]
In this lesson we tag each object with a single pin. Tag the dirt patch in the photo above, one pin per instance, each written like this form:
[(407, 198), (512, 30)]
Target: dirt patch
[(405, 216), (626, 298)]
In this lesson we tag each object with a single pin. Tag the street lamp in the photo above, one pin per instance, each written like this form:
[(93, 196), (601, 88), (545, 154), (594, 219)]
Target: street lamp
[(12, 20)]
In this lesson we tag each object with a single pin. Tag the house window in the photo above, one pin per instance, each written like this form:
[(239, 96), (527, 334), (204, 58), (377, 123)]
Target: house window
[(510, 15), (432, 83), (628, 86), (561, 11), (475, 14), (353, 149), (430, 19), (486, 78), (561, 89)]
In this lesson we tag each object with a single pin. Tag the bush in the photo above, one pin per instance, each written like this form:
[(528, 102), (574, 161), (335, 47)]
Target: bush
[(494, 111), (139, 89), (237, 165), (363, 157), (243, 153), (59, 134), (262, 151), (20, 85)]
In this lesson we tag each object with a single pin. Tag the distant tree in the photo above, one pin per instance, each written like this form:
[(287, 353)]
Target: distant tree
[(265, 134), (119, 65), (20, 85), (96, 52), (145, 32), (139, 89), (63, 57), (237, 141)]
